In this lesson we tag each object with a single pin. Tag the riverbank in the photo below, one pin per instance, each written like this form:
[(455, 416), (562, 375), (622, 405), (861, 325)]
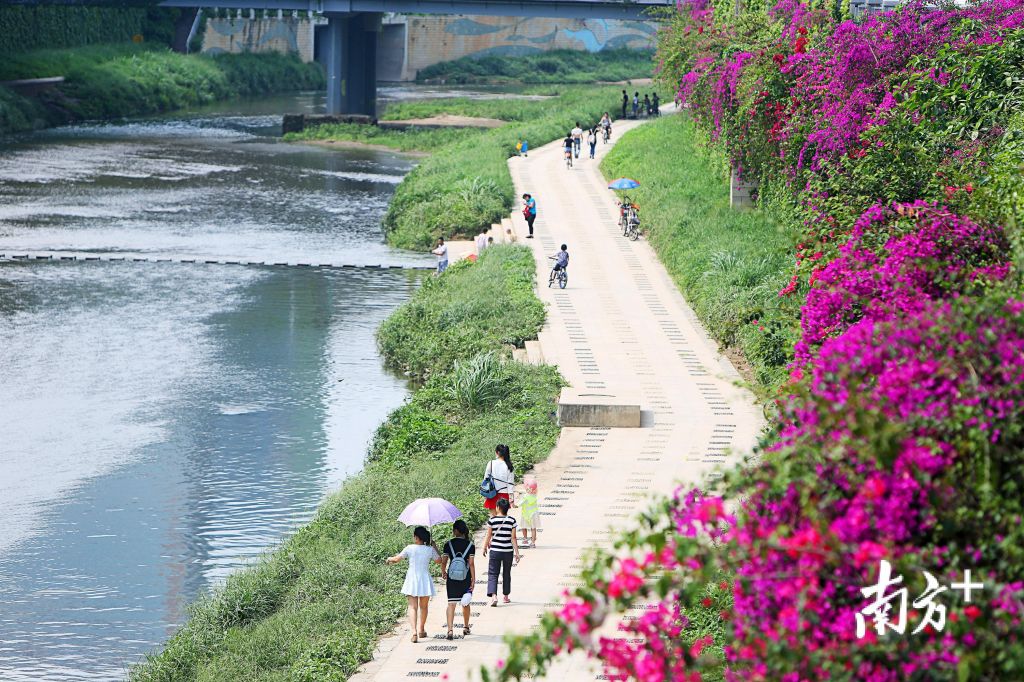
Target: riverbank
[(552, 66), (729, 264), (312, 609), (119, 81)]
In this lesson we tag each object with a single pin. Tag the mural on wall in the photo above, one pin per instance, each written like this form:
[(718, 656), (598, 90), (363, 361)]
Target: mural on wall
[(287, 34), (441, 38)]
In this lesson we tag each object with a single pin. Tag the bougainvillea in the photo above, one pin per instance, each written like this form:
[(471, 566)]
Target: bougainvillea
[(901, 433)]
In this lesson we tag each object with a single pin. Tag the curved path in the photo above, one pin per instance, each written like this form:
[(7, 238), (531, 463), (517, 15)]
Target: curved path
[(621, 326)]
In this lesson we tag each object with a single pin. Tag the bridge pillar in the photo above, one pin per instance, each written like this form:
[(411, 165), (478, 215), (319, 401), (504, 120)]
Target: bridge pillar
[(351, 55)]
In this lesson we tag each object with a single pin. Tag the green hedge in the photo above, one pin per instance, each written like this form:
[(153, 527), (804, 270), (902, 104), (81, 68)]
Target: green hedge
[(32, 27), (312, 610)]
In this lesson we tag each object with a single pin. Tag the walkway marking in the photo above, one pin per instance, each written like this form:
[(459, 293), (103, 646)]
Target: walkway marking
[(620, 326)]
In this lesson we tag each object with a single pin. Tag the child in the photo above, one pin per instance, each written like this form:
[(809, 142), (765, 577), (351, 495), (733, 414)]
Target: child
[(529, 505), (519, 148), (418, 587), (525, 147)]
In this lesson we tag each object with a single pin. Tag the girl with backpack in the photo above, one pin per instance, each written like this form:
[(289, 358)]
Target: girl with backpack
[(459, 572), (499, 481), (419, 586)]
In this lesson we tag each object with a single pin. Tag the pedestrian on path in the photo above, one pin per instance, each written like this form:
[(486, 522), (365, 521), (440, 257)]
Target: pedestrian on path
[(656, 104), (577, 139), (625, 103), (510, 236), (529, 212), (504, 547), (459, 572), (441, 251), (419, 586), (500, 471), (524, 147), (592, 141), (529, 506), (647, 104), (636, 104)]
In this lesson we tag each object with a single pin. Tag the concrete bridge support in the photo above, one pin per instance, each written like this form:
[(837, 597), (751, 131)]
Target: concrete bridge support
[(351, 55)]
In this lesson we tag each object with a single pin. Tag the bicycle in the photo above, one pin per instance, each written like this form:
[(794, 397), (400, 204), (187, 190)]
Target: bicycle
[(606, 134), (568, 158), (629, 219), (558, 275)]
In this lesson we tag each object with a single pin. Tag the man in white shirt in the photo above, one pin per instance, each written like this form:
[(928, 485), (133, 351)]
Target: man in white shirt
[(577, 139), (442, 255), (481, 243)]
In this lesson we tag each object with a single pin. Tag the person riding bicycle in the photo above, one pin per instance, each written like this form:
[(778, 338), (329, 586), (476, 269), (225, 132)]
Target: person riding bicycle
[(561, 259), (606, 125), (567, 145)]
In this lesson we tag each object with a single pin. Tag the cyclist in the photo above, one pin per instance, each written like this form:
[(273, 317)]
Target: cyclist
[(561, 262), (577, 139), (606, 126), (567, 145)]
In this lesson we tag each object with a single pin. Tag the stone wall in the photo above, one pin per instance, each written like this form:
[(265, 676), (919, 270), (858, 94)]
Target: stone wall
[(288, 33)]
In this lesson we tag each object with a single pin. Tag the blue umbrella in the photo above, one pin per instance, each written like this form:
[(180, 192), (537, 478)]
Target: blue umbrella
[(623, 183)]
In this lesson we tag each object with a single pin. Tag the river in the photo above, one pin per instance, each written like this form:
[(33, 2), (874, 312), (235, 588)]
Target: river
[(162, 423)]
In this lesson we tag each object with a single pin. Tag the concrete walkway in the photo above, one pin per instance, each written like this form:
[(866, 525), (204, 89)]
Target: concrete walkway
[(620, 327)]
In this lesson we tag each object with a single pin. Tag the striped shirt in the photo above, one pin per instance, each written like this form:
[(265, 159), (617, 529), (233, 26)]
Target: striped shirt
[(502, 528)]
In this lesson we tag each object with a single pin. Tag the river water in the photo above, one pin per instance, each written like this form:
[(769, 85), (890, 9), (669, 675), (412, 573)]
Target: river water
[(162, 424)]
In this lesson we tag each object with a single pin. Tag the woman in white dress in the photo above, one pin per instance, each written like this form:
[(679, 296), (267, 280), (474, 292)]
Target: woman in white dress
[(419, 586)]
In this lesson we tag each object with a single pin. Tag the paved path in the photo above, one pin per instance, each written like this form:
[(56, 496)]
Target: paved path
[(620, 326)]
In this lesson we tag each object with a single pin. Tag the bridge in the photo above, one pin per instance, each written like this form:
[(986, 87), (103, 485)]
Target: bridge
[(353, 27)]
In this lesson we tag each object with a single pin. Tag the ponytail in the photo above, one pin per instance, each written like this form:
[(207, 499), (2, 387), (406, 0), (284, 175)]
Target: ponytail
[(505, 454)]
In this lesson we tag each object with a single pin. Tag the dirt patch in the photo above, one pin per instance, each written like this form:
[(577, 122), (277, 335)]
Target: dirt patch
[(444, 121)]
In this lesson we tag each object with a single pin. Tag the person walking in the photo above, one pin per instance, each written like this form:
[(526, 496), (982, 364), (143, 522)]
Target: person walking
[(500, 471), (503, 545), (529, 509), (647, 104), (441, 251), (592, 141), (577, 139), (636, 103), (525, 148), (529, 212), (419, 586), (458, 569), (625, 103), (656, 104)]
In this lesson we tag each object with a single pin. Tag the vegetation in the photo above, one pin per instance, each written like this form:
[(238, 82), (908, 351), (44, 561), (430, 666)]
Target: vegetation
[(555, 66), (729, 264), (892, 149), (31, 27), (109, 81), (406, 140), (465, 186), (312, 610), (521, 106)]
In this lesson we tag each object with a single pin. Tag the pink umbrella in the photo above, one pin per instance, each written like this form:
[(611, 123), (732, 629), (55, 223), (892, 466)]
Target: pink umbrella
[(429, 511)]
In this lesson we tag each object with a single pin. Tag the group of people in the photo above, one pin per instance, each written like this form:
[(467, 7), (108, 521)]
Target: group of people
[(573, 141), (648, 106), (457, 558)]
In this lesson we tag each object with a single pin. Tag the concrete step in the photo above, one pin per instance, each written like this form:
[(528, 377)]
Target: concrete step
[(533, 353), (519, 355), (497, 233), (545, 339), (592, 407)]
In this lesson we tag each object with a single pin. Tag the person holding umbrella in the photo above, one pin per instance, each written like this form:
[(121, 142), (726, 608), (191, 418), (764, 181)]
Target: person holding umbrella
[(418, 587), (459, 572)]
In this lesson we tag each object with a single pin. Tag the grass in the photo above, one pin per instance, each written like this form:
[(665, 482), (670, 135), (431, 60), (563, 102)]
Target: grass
[(465, 186), (113, 81), (555, 66), (408, 140), (504, 109), (729, 264), (312, 609)]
